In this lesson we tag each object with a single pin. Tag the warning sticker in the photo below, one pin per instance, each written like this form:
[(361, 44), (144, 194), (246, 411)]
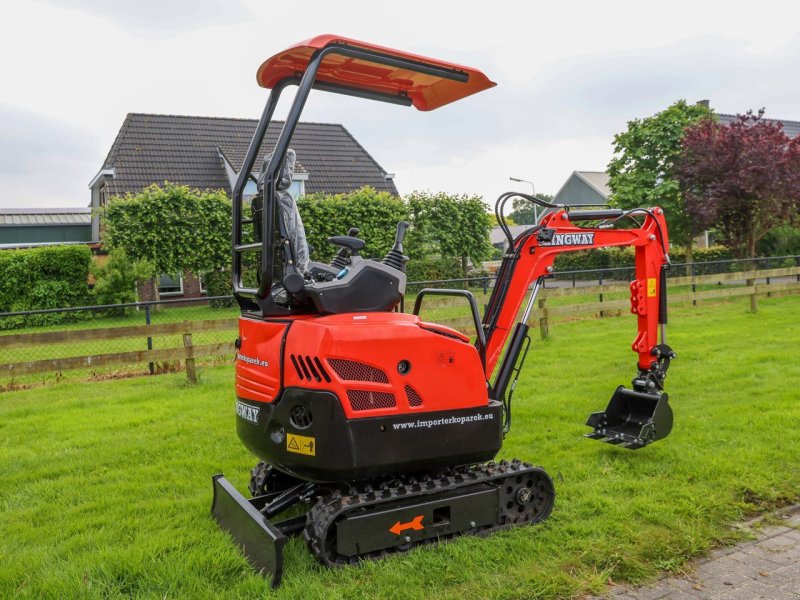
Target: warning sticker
[(301, 444), (651, 287)]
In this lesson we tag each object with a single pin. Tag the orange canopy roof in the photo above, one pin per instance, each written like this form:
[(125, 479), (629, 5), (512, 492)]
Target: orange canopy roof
[(425, 90)]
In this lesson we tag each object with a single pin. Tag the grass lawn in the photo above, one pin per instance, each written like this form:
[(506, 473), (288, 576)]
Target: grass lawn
[(105, 487)]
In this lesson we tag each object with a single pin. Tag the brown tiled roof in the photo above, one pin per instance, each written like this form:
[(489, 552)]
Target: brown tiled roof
[(182, 149)]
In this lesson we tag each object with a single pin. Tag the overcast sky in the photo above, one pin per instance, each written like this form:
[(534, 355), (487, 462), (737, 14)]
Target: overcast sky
[(569, 75)]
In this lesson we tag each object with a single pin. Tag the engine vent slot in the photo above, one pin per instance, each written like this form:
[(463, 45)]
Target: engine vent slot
[(368, 400), (350, 370), (414, 398), (309, 368)]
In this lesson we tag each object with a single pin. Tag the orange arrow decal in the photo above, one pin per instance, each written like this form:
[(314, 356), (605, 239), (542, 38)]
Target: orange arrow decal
[(415, 524)]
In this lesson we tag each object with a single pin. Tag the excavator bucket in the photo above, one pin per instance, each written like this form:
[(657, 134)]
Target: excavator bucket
[(260, 541), (632, 419)]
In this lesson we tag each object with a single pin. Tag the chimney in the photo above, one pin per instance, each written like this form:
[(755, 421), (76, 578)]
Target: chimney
[(703, 103)]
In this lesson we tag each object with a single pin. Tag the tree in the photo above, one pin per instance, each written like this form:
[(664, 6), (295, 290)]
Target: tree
[(522, 210), (642, 170), (174, 228), (451, 226), (743, 179)]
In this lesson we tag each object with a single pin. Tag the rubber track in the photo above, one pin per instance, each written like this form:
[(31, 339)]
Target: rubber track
[(328, 510)]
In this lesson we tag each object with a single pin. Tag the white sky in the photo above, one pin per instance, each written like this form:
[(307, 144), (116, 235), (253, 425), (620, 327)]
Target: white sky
[(569, 74)]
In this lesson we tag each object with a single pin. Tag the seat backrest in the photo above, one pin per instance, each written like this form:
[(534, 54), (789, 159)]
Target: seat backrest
[(291, 224)]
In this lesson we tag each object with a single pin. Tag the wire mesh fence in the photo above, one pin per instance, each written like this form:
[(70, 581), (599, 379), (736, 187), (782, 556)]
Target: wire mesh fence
[(211, 323)]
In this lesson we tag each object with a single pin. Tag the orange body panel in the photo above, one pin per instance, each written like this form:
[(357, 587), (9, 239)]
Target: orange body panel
[(258, 359), (426, 92), (356, 356)]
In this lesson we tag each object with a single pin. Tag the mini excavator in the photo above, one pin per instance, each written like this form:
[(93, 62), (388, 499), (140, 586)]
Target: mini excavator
[(376, 430)]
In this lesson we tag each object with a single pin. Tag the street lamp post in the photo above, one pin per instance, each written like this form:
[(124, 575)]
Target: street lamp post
[(533, 193)]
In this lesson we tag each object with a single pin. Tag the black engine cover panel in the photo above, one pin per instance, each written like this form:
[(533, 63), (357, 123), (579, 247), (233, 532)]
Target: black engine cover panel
[(305, 433)]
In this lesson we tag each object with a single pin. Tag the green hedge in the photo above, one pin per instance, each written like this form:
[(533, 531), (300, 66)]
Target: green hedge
[(40, 278), (614, 258), (375, 213)]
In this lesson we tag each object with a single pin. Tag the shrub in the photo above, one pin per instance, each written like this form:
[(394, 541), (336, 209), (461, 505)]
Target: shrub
[(219, 283), (431, 269), (41, 278), (115, 280), (375, 214)]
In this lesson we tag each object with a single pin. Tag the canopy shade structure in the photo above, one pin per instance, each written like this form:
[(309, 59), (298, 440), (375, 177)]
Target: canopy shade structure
[(375, 72)]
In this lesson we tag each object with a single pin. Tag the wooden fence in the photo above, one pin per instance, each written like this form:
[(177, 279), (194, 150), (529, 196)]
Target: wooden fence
[(757, 283), (187, 352)]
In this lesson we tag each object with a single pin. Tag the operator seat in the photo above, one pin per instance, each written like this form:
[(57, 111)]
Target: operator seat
[(365, 285)]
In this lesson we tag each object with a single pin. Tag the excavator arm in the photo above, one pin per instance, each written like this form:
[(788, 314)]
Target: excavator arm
[(634, 417)]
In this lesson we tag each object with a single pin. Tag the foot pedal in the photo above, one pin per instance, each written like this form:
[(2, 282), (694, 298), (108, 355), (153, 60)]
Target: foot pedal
[(632, 419)]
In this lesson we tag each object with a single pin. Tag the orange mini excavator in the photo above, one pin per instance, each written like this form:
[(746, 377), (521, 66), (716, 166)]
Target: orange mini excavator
[(377, 430)]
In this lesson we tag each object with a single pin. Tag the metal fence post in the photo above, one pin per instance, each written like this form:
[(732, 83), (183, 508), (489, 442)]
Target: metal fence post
[(694, 285), (151, 366), (600, 281), (191, 371)]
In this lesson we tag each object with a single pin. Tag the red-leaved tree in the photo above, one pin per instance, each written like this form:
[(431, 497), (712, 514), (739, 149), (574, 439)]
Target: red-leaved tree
[(743, 179)]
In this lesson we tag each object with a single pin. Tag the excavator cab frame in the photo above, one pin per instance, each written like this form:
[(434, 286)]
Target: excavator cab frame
[(343, 66)]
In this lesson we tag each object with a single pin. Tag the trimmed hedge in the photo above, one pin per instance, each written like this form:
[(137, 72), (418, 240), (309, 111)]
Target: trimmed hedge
[(375, 213), (40, 278), (614, 258)]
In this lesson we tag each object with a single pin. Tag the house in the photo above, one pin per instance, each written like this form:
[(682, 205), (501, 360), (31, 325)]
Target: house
[(21, 227), (790, 128), (584, 187), (207, 153)]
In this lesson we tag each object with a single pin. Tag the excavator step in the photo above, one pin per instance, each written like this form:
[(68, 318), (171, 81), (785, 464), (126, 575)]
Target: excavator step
[(632, 419)]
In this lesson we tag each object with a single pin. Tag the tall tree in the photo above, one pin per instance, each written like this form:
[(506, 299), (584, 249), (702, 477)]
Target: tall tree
[(451, 226), (743, 179), (522, 210), (642, 170), (174, 228)]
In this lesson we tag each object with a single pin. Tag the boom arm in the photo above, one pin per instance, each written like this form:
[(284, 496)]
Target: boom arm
[(634, 417), (533, 257)]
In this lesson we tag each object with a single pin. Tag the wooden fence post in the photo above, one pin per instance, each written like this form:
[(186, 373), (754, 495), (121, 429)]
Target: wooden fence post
[(543, 325), (191, 371), (754, 295)]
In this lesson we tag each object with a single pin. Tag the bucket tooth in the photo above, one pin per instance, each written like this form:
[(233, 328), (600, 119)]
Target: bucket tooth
[(260, 541), (632, 419)]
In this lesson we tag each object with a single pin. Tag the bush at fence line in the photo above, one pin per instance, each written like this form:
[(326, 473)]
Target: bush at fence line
[(40, 278), (781, 241), (115, 280), (433, 269), (219, 283), (623, 258)]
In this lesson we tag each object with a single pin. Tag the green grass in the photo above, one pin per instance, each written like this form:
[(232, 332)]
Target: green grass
[(105, 487)]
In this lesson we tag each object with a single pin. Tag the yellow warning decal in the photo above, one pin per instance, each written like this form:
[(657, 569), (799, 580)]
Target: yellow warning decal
[(651, 287), (301, 444)]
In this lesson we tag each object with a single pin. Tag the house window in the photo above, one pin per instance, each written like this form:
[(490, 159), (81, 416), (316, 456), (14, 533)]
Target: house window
[(297, 188), (170, 286)]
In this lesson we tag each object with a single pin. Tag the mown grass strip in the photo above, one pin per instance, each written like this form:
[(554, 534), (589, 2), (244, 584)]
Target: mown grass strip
[(105, 488)]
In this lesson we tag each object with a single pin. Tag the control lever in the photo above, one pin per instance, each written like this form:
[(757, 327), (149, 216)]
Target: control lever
[(342, 257), (394, 258)]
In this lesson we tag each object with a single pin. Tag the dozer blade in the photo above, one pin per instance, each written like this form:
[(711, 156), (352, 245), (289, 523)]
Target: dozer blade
[(260, 541), (632, 419)]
